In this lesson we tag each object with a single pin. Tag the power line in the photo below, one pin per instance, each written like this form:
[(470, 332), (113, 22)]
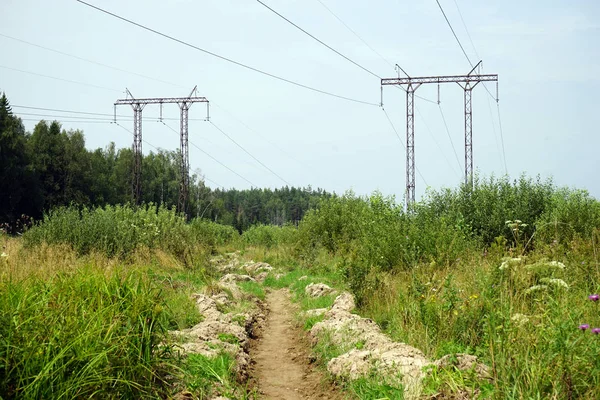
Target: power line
[(449, 136), (247, 152), (394, 128), (437, 143), (62, 121), (370, 47), (157, 149), (319, 40), (212, 158), (94, 113), (64, 111), (460, 44), (262, 137), (59, 79), (402, 143), (502, 139), (90, 119), (356, 34), (143, 140), (121, 116), (225, 58), (493, 124), (89, 61), (129, 116), (486, 88), (66, 116), (454, 33), (217, 184), (466, 30)]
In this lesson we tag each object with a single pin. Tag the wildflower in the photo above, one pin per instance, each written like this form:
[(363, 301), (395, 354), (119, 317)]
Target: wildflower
[(3, 255), (557, 264), (508, 262), (596, 331), (584, 327), (594, 297), (555, 282), (519, 319), (536, 288)]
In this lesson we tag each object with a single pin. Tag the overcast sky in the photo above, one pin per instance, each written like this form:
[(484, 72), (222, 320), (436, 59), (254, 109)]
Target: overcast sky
[(546, 53)]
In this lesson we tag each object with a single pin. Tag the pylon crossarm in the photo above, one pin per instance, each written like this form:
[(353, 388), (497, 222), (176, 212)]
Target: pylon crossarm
[(161, 100), (441, 79)]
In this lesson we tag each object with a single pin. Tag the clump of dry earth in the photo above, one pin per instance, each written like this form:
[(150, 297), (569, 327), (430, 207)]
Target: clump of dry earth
[(214, 334), (372, 353)]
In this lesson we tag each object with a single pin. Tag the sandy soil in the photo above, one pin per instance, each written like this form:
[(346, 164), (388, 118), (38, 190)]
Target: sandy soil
[(281, 367)]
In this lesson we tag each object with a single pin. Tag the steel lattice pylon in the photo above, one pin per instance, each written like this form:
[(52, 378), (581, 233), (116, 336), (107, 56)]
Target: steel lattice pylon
[(137, 152), (410, 142), (468, 88), (184, 104), (184, 185), (412, 83)]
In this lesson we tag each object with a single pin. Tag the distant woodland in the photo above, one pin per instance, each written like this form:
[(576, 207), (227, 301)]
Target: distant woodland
[(51, 167)]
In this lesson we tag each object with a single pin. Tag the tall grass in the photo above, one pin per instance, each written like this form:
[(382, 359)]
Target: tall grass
[(87, 298), (83, 334)]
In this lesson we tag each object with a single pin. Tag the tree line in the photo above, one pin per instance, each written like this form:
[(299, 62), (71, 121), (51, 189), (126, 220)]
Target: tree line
[(51, 167)]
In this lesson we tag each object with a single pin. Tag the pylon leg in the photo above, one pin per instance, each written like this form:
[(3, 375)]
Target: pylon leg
[(410, 145), (185, 159), (137, 153)]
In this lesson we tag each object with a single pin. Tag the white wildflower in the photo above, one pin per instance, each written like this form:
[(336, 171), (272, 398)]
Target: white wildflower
[(4, 255), (555, 282), (557, 264), (541, 265), (519, 319), (508, 262), (536, 288)]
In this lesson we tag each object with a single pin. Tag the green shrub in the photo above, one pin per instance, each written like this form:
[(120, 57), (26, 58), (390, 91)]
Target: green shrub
[(376, 232), (212, 233), (270, 236), (112, 230), (119, 230), (485, 207), (573, 213)]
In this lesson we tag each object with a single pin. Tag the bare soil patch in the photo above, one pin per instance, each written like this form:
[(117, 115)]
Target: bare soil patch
[(281, 363)]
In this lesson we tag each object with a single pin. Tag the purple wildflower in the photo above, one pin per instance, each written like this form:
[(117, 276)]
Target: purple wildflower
[(594, 297), (596, 331), (584, 327)]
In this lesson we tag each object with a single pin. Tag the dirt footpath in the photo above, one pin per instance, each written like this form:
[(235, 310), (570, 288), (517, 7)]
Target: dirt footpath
[(281, 364)]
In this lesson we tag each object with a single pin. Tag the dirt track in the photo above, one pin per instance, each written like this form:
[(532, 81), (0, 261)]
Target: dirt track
[(282, 369)]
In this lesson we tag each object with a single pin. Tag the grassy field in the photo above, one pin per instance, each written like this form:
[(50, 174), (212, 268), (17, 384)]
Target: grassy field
[(507, 271)]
